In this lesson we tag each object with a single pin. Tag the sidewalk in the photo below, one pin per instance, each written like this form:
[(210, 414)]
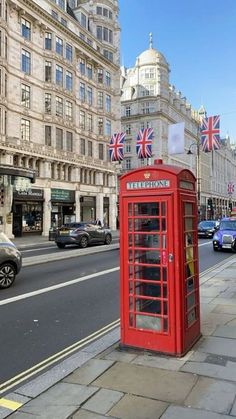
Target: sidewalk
[(100, 381)]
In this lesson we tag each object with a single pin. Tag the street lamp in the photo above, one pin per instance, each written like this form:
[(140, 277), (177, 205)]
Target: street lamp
[(197, 145)]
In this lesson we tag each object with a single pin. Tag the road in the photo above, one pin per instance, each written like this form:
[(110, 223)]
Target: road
[(38, 325)]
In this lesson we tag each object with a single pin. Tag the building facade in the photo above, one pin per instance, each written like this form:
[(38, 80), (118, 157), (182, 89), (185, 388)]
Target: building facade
[(60, 101), (149, 101)]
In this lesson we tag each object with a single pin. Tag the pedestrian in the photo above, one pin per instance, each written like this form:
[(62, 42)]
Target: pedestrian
[(98, 222)]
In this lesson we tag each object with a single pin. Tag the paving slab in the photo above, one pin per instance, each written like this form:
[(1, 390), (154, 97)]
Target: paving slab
[(167, 363), (213, 395), (226, 309), (219, 346), (178, 412), (212, 370), (84, 414), (130, 407), (226, 332), (233, 411), (103, 401), (59, 402), (159, 384), (88, 372), (120, 355)]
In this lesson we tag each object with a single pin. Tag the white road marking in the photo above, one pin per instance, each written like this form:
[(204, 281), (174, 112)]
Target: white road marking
[(56, 287)]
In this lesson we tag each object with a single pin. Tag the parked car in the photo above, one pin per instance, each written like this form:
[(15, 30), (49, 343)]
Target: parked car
[(206, 228), (225, 236), (10, 261), (82, 234)]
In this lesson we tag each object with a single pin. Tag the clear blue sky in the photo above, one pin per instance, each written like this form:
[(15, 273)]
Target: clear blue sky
[(198, 39)]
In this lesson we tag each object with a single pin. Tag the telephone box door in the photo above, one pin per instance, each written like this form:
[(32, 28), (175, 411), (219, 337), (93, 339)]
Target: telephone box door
[(148, 307)]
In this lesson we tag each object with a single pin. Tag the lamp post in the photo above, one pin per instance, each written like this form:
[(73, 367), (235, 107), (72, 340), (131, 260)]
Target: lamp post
[(197, 145)]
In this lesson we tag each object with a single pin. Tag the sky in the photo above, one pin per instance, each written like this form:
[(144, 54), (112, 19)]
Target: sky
[(198, 40)]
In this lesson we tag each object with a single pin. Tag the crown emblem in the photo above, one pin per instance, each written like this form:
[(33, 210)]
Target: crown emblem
[(147, 175)]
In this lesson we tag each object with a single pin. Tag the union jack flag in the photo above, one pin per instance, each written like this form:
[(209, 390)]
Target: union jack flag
[(116, 146), (230, 188), (210, 133), (144, 143)]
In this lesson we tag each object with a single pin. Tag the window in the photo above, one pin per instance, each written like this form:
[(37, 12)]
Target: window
[(108, 103), (48, 41), (82, 119), (105, 12), (89, 71), (59, 139), (108, 127), (63, 22), (99, 33), (59, 75), (69, 110), (48, 103), (59, 106), (61, 4), (25, 28), (99, 10), (110, 14), (25, 96), (127, 111), (127, 147), (100, 126), (100, 75), (128, 129), (82, 66), (82, 36), (90, 149), (105, 34), (59, 46), (25, 130), (108, 79), (69, 52), (82, 146), (101, 151), (127, 164), (146, 108), (25, 61), (54, 15), (69, 141), (48, 135), (68, 81), (48, 71), (82, 92), (110, 37), (108, 55), (90, 122), (89, 95), (100, 100), (148, 73), (83, 20)]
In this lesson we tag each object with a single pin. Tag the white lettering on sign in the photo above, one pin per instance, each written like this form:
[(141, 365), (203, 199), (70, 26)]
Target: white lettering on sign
[(148, 184)]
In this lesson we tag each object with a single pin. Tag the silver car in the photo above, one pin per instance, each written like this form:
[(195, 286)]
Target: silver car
[(10, 261)]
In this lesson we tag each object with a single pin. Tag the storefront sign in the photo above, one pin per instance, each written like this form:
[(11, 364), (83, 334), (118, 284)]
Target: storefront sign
[(148, 184), (35, 194), (62, 195)]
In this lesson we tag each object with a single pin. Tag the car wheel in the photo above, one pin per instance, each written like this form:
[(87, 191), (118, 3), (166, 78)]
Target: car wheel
[(108, 239), (7, 275), (61, 245), (215, 249), (83, 242)]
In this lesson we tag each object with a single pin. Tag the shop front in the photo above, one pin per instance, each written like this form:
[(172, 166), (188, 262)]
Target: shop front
[(27, 212), (87, 208), (62, 207)]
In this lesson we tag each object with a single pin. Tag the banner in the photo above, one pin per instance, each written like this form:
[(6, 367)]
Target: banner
[(176, 138)]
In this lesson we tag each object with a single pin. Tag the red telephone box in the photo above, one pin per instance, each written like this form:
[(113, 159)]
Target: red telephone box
[(159, 259)]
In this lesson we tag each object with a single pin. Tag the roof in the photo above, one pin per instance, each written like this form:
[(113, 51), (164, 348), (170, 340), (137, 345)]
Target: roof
[(151, 56)]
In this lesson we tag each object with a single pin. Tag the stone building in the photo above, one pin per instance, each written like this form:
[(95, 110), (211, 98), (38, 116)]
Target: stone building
[(60, 102), (148, 100)]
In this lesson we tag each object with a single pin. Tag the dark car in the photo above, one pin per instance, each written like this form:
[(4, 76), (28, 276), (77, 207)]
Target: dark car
[(225, 236), (82, 234), (206, 228), (10, 261)]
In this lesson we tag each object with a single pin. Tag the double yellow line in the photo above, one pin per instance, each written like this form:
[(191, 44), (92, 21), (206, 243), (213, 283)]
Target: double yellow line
[(25, 375)]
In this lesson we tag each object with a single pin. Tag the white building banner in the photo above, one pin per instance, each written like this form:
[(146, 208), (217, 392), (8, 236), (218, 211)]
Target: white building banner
[(176, 138)]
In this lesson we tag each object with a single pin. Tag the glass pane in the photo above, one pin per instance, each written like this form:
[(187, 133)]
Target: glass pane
[(148, 306), (189, 285), (164, 291), (148, 322), (131, 287), (130, 240), (130, 303), (130, 271), (146, 240), (130, 225), (190, 300), (130, 256), (188, 238), (189, 260), (163, 223), (146, 208), (146, 289), (148, 273), (165, 325), (147, 256), (129, 210), (163, 241), (164, 274), (165, 308), (163, 209), (188, 209), (147, 224), (188, 224), (131, 320), (191, 317)]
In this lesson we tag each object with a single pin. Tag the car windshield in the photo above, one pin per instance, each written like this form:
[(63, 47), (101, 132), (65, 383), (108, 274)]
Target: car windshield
[(4, 238), (228, 225), (207, 224)]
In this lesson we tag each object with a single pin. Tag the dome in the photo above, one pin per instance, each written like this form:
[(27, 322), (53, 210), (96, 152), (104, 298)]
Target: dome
[(151, 56)]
